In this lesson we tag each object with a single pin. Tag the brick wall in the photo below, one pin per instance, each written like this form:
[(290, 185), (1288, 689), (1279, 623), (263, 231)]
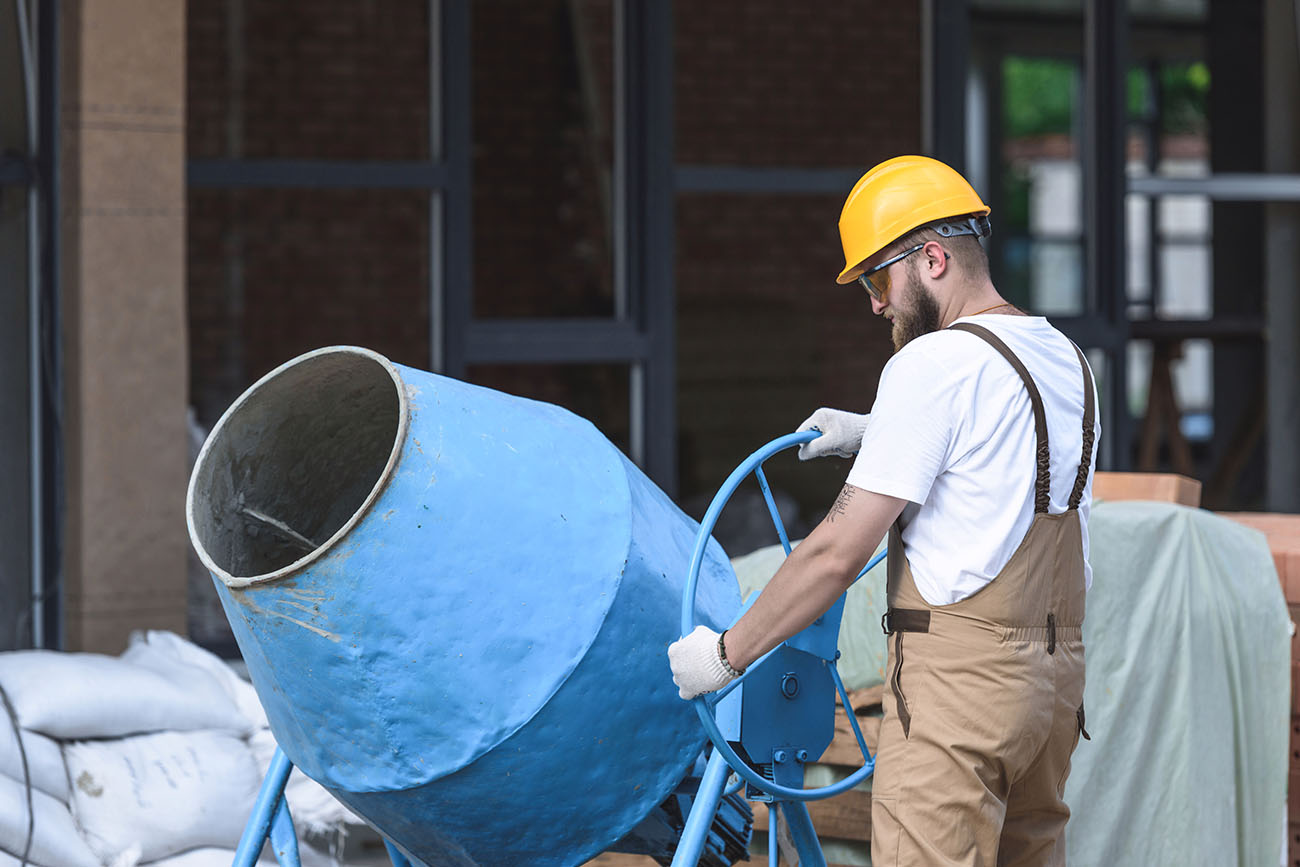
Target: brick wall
[(764, 334), (797, 84), (1283, 533), (273, 273), (543, 156), (327, 79)]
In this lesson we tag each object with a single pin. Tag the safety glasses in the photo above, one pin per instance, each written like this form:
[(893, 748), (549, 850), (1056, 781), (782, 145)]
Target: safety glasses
[(876, 281)]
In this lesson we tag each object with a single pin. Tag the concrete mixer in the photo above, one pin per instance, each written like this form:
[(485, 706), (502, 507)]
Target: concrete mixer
[(455, 606)]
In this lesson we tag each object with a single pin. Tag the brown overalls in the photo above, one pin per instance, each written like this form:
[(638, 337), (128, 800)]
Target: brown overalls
[(985, 698)]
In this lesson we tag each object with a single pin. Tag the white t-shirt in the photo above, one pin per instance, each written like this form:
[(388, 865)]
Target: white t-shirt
[(952, 431)]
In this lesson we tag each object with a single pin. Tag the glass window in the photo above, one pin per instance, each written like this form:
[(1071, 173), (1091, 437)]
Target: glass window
[(295, 81), (1169, 244), (1139, 278), (1184, 127), (765, 336), (1139, 375), (1029, 6), (15, 371), (1036, 251), (1185, 282), (1167, 10), (788, 84), (544, 198), (1193, 375), (275, 273), (1169, 276), (1171, 387), (15, 442), (13, 100)]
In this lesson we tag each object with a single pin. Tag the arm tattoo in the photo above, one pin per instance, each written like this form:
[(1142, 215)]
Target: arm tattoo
[(841, 504)]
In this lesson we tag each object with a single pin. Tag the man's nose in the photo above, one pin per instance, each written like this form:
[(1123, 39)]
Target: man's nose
[(877, 306)]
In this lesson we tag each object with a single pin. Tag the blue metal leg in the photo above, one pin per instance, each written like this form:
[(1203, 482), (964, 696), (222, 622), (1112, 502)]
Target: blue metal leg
[(283, 838), (703, 808), (773, 846), (802, 834), (395, 855), (264, 809)]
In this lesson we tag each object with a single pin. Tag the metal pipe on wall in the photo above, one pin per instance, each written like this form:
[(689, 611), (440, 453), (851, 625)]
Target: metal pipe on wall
[(26, 32)]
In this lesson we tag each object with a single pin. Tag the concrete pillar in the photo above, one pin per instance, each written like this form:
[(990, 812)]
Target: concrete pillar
[(1282, 265), (125, 359)]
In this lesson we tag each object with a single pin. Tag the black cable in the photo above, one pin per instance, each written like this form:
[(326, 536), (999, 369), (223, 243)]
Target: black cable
[(27, 774)]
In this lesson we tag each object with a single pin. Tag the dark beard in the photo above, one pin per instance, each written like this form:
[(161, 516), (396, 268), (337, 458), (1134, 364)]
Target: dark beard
[(922, 317)]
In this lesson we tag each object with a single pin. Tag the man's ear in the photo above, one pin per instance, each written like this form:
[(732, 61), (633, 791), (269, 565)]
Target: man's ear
[(936, 259)]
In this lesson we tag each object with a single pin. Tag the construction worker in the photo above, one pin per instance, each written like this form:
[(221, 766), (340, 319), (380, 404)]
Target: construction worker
[(977, 461)]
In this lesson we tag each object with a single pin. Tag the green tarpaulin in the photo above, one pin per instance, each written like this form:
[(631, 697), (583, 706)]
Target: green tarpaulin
[(1188, 696)]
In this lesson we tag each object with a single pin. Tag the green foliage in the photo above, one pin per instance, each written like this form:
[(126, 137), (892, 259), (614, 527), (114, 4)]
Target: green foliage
[(1015, 198), (1186, 88), (1037, 96), (1138, 94), (1039, 93)]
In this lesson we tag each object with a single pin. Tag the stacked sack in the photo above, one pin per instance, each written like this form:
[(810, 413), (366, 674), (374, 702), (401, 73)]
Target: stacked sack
[(154, 757)]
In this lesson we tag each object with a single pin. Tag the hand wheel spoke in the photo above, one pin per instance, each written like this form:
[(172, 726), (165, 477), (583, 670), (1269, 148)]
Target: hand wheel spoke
[(852, 714), (707, 706), (771, 507)]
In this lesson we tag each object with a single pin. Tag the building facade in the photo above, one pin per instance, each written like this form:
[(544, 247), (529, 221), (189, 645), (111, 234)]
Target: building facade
[(625, 207)]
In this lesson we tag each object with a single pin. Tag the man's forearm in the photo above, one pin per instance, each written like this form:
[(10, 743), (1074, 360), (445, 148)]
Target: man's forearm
[(808, 583), (815, 573)]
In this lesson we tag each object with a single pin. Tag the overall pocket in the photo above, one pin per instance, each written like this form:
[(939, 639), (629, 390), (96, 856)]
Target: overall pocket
[(896, 684)]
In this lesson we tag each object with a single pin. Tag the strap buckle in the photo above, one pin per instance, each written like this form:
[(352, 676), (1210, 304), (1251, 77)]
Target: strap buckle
[(905, 620)]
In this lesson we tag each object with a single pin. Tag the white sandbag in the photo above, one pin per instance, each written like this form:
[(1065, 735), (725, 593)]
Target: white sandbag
[(7, 860), (167, 792), (313, 808), (176, 659), (223, 857), (87, 695), (44, 761), (55, 842)]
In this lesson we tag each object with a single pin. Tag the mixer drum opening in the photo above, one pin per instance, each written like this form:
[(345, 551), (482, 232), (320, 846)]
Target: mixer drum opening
[(291, 465), (444, 593)]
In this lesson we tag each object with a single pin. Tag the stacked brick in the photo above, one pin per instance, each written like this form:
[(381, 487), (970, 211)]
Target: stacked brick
[(1283, 532)]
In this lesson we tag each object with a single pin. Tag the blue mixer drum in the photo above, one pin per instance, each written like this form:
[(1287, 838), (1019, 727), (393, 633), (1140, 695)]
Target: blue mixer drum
[(455, 606)]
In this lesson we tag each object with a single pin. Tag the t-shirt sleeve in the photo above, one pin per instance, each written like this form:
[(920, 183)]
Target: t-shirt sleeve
[(909, 436)]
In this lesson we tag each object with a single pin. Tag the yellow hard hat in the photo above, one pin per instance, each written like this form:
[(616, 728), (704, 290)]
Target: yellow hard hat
[(900, 195)]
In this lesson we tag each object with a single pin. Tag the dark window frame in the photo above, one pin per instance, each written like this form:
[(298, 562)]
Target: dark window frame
[(643, 338), (37, 173)]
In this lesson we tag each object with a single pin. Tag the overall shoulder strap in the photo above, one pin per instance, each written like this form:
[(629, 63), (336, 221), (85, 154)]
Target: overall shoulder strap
[(1043, 480), (1089, 415)]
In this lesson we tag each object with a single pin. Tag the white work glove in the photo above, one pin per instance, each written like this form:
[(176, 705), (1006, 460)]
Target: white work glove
[(841, 433), (697, 666)]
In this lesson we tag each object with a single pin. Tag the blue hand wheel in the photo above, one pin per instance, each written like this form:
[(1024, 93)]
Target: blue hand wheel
[(705, 704)]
